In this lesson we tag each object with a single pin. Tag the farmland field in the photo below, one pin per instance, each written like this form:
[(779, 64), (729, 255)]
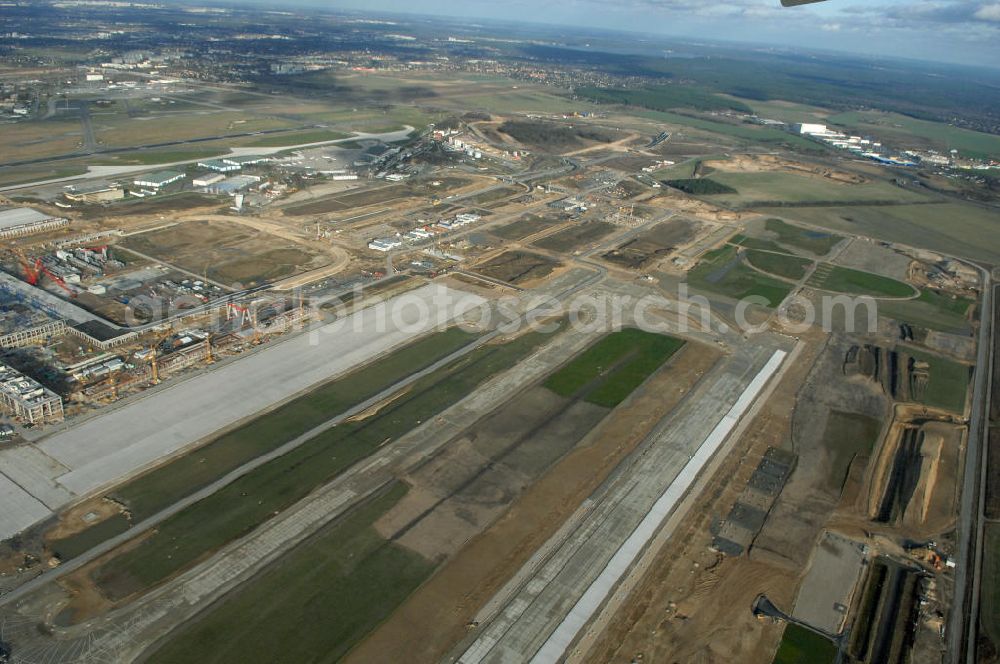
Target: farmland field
[(949, 381), (722, 272), (788, 188), (241, 506), (937, 134), (814, 242), (802, 646), (781, 265), (347, 578), (932, 311), (959, 229), (576, 236), (845, 280), (625, 359)]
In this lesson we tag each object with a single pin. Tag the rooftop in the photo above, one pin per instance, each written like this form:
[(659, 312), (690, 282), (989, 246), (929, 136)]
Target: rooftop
[(11, 218)]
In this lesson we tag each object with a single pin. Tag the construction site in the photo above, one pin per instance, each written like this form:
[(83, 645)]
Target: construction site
[(232, 406)]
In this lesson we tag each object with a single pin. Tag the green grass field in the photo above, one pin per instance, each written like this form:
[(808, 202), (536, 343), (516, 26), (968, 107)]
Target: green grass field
[(722, 272), (251, 500), (120, 130), (802, 646), (319, 600), (297, 138), (682, 171), (846, 436), (938, 134), (10, 177), (663, 98), (153, 157), (74, 545), (776, 188), (990, 597), (949, 381), (958, 229), (756, 243), (744, 132), (814, 242), (932, 311), (786, 111), (780, 265), (855, 282), (623, 360)]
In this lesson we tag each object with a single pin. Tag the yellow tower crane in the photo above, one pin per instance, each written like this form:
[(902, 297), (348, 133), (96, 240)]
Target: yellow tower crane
[(154, 360)]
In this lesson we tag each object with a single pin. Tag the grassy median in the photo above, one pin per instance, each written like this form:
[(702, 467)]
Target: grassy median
[(243, 505), (156, 490)]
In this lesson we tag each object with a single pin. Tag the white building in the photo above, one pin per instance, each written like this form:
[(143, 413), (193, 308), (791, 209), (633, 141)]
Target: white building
[(385, 244), (207, 180), (158, 179), (806, 128)]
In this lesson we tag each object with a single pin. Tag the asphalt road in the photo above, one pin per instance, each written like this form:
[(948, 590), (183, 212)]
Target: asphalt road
[(90, 151), (964, 617), (136, 626), (155, 520)]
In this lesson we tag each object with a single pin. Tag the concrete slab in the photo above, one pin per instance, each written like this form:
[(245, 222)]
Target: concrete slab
[(829, 585), (20, 508), (101, 451), (536, 618), (35, 472)]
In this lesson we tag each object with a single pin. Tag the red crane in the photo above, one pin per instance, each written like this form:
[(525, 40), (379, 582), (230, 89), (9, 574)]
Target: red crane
[(56, 278), (31, 273)]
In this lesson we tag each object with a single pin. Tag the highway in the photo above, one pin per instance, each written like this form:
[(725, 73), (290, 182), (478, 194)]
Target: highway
[(963, 620)]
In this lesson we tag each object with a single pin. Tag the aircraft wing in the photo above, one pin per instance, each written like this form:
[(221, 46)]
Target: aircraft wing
[(795, 3)]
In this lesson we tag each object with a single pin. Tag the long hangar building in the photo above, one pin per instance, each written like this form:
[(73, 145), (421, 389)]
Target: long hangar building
[(15, 222)]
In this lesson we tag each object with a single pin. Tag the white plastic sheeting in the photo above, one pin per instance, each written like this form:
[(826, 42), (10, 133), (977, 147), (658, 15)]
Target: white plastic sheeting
[(587, 606)]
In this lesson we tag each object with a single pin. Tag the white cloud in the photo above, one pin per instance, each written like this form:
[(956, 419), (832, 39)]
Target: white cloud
[(990, 12)]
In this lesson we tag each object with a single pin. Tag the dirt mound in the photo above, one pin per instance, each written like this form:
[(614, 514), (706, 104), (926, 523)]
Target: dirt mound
[(762, 163)]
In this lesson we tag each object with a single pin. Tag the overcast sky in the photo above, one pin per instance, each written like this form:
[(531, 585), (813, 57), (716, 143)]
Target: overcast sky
[(946, 30)]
